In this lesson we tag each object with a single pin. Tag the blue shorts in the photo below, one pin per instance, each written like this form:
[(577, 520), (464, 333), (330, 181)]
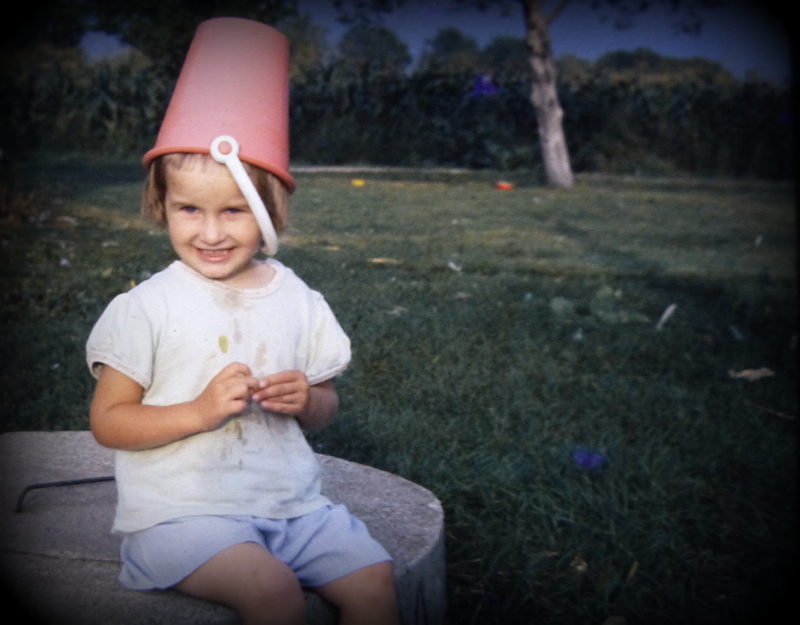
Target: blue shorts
[(319, 547)]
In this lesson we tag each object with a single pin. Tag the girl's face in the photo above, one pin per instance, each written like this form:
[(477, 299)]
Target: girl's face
[(210, 224)]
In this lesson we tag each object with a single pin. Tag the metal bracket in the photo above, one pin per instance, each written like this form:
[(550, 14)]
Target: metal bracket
[(86, 480)]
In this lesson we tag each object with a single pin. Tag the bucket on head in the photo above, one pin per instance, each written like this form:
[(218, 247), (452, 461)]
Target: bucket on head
[(234, 82)]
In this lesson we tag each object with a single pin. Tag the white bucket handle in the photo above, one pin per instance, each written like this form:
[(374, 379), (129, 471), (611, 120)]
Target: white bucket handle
[(248, 189)]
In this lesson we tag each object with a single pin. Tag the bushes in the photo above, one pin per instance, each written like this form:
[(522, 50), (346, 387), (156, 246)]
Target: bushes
[(107, 108), (431, 118), (708, 129), (423, 119), (613, 124)]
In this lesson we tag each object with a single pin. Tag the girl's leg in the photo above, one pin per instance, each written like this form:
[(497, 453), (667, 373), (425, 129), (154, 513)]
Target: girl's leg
[(365, 597), (250, 580)]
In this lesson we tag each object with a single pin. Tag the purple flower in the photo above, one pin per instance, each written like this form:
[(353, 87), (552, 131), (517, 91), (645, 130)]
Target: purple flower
[(589, 459), (484, 86)]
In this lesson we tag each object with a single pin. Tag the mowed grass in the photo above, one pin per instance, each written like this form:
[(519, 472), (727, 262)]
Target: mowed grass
[(496, 333)]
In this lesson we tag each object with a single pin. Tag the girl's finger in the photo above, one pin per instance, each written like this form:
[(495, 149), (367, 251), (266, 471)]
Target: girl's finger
[(235, 369), (283, 377), (280, 407)]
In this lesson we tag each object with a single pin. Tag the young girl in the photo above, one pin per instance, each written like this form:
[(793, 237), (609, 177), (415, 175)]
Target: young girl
[(206, 375)]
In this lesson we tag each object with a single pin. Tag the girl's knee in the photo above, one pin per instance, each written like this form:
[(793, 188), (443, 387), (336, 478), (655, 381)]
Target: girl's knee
[(365, 597), (271, 595), (372, 584), (380, 578), (248, 579)]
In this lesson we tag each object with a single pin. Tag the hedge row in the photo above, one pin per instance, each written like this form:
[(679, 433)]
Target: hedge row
[(430, 118)]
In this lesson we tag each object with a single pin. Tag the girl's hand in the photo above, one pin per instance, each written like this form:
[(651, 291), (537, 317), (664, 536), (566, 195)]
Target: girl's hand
[(226, 394), (285, 392), (120, 420)]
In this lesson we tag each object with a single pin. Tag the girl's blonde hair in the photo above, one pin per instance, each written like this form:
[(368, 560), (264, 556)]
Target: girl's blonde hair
[(269, 187)]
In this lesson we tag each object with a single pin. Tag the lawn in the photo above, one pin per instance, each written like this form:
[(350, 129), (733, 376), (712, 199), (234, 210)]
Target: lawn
[(594, 456)]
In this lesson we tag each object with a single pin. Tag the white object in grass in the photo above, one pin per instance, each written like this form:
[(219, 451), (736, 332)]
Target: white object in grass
[(751, 375), (668, 312)]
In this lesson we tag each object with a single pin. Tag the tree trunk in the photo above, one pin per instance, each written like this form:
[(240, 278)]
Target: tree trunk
[(544, 96)]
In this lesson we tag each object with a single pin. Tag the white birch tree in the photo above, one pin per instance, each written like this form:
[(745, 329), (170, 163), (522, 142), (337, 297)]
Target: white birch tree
[(544, 92)]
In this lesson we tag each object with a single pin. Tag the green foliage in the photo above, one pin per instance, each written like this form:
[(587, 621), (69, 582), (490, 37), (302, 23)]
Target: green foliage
[(468, 379), (163, 29), (112, 107), (630, 113), (450, 51), (373, 50), (308, 46), (422, 119), (741, 129), (506, 57), (645, 65)]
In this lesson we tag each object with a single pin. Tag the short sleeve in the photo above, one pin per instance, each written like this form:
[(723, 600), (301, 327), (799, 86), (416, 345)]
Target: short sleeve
[(123, 339), (329, 347)]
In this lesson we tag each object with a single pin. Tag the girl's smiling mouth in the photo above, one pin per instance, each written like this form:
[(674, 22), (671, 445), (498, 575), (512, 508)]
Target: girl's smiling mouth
[(215, 255)]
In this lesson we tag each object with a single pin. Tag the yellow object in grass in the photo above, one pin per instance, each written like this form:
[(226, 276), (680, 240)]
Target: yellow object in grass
[(384, 261), (358, 182)]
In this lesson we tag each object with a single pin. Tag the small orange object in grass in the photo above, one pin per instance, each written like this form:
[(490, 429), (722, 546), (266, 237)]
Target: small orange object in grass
[(504, 186), (358, 182)]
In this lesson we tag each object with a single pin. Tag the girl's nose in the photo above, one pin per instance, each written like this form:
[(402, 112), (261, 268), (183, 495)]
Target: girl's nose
[(212, 231)]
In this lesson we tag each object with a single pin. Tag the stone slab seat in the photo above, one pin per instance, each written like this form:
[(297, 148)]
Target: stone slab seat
[(60, 561)]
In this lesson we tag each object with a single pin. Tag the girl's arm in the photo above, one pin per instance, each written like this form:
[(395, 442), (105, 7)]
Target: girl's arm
[(288, 392), (322, 406), (119, 419)]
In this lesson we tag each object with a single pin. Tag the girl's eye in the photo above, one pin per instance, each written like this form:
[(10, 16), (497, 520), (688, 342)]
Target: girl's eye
[(189, 209)]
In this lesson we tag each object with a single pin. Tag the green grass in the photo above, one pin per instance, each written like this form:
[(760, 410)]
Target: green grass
[(469, 379)]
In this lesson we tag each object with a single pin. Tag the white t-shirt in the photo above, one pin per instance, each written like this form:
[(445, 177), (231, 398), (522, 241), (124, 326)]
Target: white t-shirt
[(172, 334)]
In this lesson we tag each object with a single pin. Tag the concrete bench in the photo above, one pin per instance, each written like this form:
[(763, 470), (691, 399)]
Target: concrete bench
[(60, 561)]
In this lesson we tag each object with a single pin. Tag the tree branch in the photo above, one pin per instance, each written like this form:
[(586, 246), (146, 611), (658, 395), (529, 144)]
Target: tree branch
[(557, 11)]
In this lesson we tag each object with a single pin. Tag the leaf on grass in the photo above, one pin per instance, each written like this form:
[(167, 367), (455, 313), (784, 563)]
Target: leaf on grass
[(66, 219), (384, 261), (579, 564), (751, 375)]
